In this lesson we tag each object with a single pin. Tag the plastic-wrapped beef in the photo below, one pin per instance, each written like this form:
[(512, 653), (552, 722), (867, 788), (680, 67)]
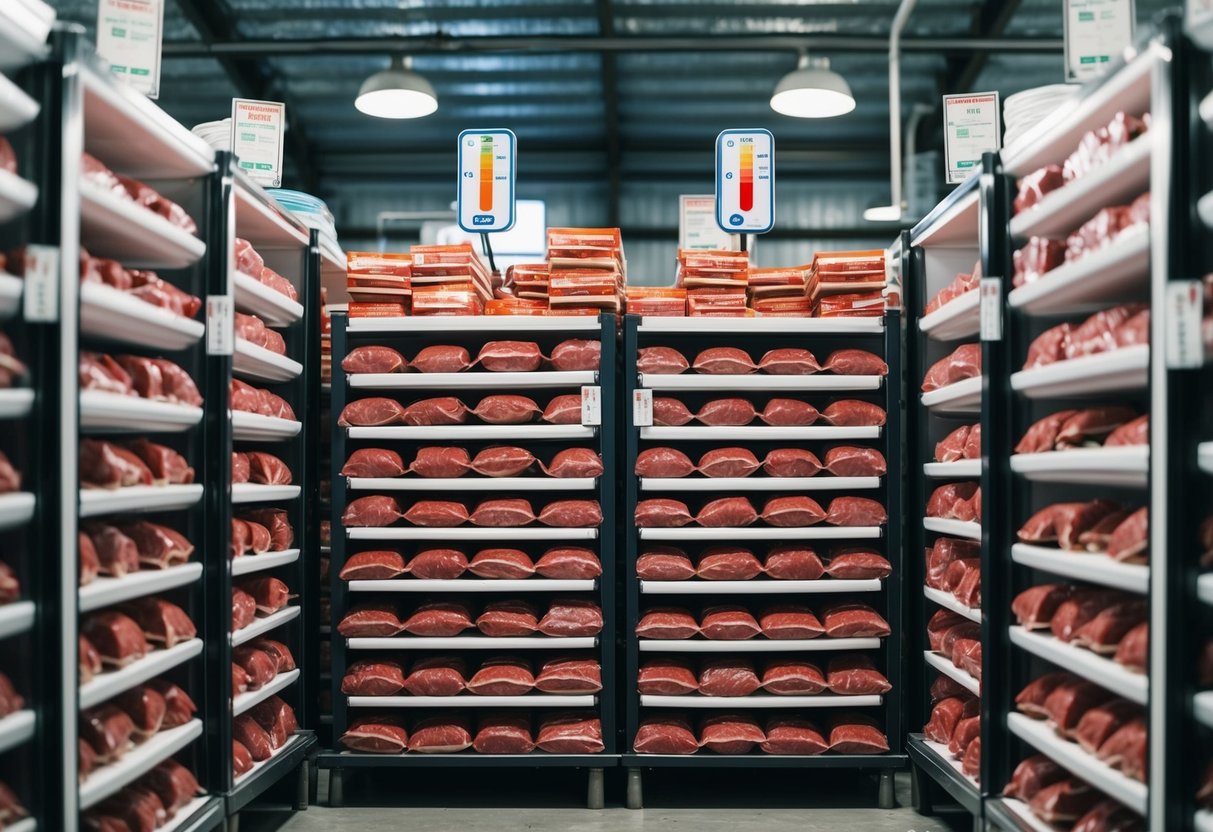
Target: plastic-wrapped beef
[(503, 734), (439, 619), (117, 554), (507, 619), (728, 563), (667, 677), (569, 563), (249, 733), (506, 409), (855, 733), (108, 730), (437, 676), (576, 354), (376, 735), (502, 676), (499, 513), (569, 676), (777, 412), (442, 358), (438, 564), (662, 513), (441, 735), (661, 361), (789, 462), (792, 735), (575, 462), (727, 512), (853, 620), (793, 677), (158, 546), (495, 462), (730, 734), (376, 510), (723, 361), (106, 465), (792, 512), (373, 677), (162, 621), (670, 412), (1133, 650), (664, 563), (174, 784), (571, 618), (855, 675), (502, 564), (858, 564), (945, 714), (571, 514), (277, 718), (665, 735), (723, 412), (371, 620), (1109, 815), (728, 462), (563, 410), (669, 623), (728, 622), (373, 462), (789, 621), (791, 562), (854, 413), (789, 361), (962, 363)]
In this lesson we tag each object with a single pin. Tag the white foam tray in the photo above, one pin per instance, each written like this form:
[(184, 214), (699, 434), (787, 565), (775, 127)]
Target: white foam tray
[(945, 666), (108, 779), (113, 682), (1098, 669), (805, 326), (255, 298), (765, 533), (1118, 271), (251, 492), (261, 626), (259, 364), (17, 196), (1122, 370), (105, 592), (949, 602), (758, 700), (16, 729), (961, 397), (16, 618), (818, 383), (138, 498), (247, 700), (461, 585), (11, 289), (791, 645), (472, 701), (247, 563), (1127, 466), (471, 433), (757, 587), (957, 528), (17, 109), (823, 482), (471, 483), (113, 412), (471, 381), (254, 427), (956, 320), (959, 470), (757, 433), (108, 313), (472, 533), (472, 643), (16, 403), (1093, 567), (475, 323), (16, 509), (138, 237)]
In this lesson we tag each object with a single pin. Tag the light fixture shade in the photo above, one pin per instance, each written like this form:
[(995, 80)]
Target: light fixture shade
[(812, 91), (883, 213), (396, 92)]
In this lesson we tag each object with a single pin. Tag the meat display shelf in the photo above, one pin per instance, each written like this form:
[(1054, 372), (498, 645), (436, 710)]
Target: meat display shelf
[(957, 528), (758, 433), (247, 700), (472, 643), (104, 592), (107, 313), (472, 585), (16, 509), (1041, 736), (471, 701), (203, 812), (17, 729), (1204, 207), (473, 323), (1204, 588), (17, 196), (16, 403), (261, 626), (1124, 369), (1202, 708), (959, 397), (759, 760), (11, 289), (960, 469), (1118, 271), (247, 563), (23, 35), (137, 762), (294, 746), (472, 533), (259, 364), (956, 674), (1203, 822), (1093, 567), (759, 483), (1127, 466), (471, 381), (16, 108), (109, 684), (949, 602), (764, 326), (251, 492), (138, 237), (787, 645), (953, 223), (758, 587), (16, 618), (138, 498), (1204, 457), (957, 319), (24, 825), (472, 433), (113, 412), (945, 770), (260, 221), (759, 382), (1102, 671), (765, 533), (254, 427), (756, 700), (255, 298), (472, 483), (1019, 817)]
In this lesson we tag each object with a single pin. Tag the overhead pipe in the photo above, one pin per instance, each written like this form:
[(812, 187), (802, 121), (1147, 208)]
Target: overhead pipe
[(896, 207)]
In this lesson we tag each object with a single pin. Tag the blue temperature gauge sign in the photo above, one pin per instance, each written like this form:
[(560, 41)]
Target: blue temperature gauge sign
[(745, 181), (487, 162)]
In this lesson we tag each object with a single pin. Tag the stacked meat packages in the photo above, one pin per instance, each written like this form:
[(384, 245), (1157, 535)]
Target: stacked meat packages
[(759, 561), (847, 284), (715, 282), (474, 576), (445, 280), (381, 284), (587, 271)]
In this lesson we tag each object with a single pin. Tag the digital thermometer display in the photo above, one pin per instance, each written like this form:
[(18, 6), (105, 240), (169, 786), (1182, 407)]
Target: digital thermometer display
[(487, 161), (745, 181)]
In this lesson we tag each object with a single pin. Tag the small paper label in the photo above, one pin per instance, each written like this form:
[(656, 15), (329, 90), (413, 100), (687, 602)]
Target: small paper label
[(591, 406), (1185, 348), (972, 126), (258, 132), (41, 298), (991, 308), (220, 325), (642, 408)]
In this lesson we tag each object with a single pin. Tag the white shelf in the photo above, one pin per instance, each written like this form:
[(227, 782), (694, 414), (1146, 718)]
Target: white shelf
[(261, 221), (251, 492), (247, 700), (108, 313), (27, 825), (11, 289), (471, 381), (462, 585), (137, 762), (254, 427), (1127, 465), (23, 31), (817, 383), (472, 643), (1121, 370), (758, 700), (1118, 271), (957, 528), (261, 626), (758, 433), (960, 397), (271, 306), (17, 109), (16, 618), (472, 533), (259, 364), (949, 759), (956, 320), (186, 813), (471, 483), (1041, 736), (958, 470), (475, 323), (16, 729), (473, 701), (113, 412), (960, 677), (759, 483), (1102, 671), (1204, 588), (16, 402), (819, 532), (1096, 568), (1204, 457), (158, 662), (1204, 208), (471, 433), (757, 587), (105, 592), (1202, 705), (257, 766), (138, 237), (949, 602), (17, 195), (16, 509), (247, 563), (956, 228), (804, 326), (138, 498), (786, 645), (1030, 821)]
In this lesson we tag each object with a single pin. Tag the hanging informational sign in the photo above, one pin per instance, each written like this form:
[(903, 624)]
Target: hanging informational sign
[(745, 181), (129, 36), (1095, 32), (972, 126), (697, 228), (487, 163), (258, 131), (1198, 14)]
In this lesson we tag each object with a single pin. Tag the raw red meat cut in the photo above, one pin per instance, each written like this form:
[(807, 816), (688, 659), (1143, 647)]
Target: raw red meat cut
[(944, 686), (851, 362), (669, 623), (563, 410), (730, 734), (277, 718), (855, 511), (972, 449), (1129, 541), (506, 619), (793, 677), (570, 734), (106, 465), (162, 621), (260, 668), (1098, 333), (90, 567), (118, 554), (661, 513), (373, 462), (376, 735), (728, 563), (727, 512), (372, 620), (498, 462), (1064, 801), (661, 361), (726, 412), (1042, 435), (1126, 749), (574, 462), (946, 499), (10, 587), (1136, 432), (728, 623), (1038, 257), (728, 677), (968, 729), (1101, 721), (670, 412), (1032, 775), (278, 524), (792, 512), (440, 462), (374, 359), (279, 652), (853, 620), (854, 413), (791, 462), (789, 621), (502, 676), (1031, 700), (571, 618), (502, 513), (441, 619), (267, 469), (108, 730), (503, 734), (438, 564), (427, 513), (665, 735), (664, 563), (576, 354), (793, 563), (1103, 633), (510, 356), (1081, 607), (728, 462), (789, 361), (1072, 698), (1109, 815), (437, 676), (1091, 425), (780, 413), (1034, 186), (854, 733), (135, 808), (1049, 347), (175, 785), (571, 514), (569, 675), (569, 563), (663, 462), (240, 679), (505, 564), (964, 362), (667, 677), (846, 461), (90, 659), (244, 609), (1035, 607), (442, 359), (104, 374), (505, 409), (939, 625), (944, 715), (373, 412), (10, 700), (445, 410), (793, 735), (1096, 538), (1133, 649), (723, 361), (858, 565), (271, 594), (951, 448)]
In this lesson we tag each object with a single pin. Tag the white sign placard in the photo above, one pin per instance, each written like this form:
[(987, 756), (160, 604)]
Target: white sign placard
[(129, 35), (1185, 347), (972, 126), (642, 407), (220, 325), (745, 181), (41, 296), (1197, 16), (258, 130), (487, 163), (990, 309), (1095, 32), (697, 228), (591, 406)]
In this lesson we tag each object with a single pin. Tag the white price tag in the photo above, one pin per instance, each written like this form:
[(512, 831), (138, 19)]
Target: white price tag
[(591, 406), (258, 130), (487, 162), (129, 35), (1181, 322), (1096, 31), (991, 308), (972, 126), (41, 296), (642, 408), (745, 181), (220, 325), (697, 229)]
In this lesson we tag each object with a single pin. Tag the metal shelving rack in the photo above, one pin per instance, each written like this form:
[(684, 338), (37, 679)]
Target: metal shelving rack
[(409, 335), (878, 335)]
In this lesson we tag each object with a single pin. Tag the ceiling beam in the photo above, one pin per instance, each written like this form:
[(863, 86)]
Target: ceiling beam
[(610, 100), (989, 21)]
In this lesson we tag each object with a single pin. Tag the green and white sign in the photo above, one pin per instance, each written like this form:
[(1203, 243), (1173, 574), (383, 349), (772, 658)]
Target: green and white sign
[(258, 128), (972, 126), (1096, 32), (129, 36)]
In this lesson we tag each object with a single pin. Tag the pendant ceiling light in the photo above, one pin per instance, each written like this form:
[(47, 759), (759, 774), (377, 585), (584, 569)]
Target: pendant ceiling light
[(397, 92), (812, 90)]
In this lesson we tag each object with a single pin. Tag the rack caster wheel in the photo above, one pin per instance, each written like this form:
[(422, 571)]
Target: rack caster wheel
[(635, 789), (920, 792), (886, 796), (336, 788), (596, 793), (303, 786)]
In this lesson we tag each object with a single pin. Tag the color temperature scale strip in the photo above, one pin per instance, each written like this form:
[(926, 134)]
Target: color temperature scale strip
[(486, 173), (745, 178)]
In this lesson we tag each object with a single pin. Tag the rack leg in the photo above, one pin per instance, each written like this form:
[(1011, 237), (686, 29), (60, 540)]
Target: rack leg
[(336, 788), (886, 796), (313, 784), (596, 793), (635, 789), (232, 824), (920, 791), (303, 782)]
